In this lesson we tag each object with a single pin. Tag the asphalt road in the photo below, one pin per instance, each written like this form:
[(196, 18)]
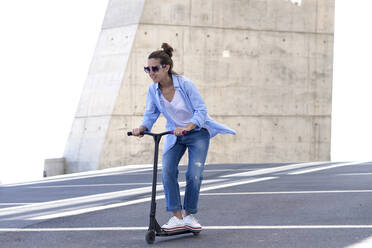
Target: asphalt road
[(241, 205)]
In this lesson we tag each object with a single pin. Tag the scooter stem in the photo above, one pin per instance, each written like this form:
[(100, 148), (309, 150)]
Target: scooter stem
[(153, 222)]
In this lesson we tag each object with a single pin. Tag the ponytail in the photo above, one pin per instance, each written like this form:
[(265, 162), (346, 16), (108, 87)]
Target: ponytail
[(165, 56)]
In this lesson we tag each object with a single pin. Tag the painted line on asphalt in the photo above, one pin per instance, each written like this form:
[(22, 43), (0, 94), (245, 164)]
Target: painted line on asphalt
[(73, 201), (87, 174), (88, 185), (222, 170), (93, 209), (300, 172), (74, 229), (236, 183), (275, 169), (146, 199), (83, 199), (14, 203), (290, 227), (355, 174), (205, 171), (136, 228), (287, 192)]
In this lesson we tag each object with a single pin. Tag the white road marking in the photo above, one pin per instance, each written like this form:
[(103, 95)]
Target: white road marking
[(146, 199), (366, 243), (288, 192), (85, 199), (219, 170), (354, 174), (145, 173), (275, 169), (94, 209), (236, 183), (14, 203), (141, 170), (83, 175), (290, 227), (88, 185), (75, 200), (81, 200), (136, 228), (325, 168), (74, 229)]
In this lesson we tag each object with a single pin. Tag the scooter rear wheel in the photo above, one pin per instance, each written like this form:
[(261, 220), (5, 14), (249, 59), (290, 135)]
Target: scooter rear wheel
[(150, 236)]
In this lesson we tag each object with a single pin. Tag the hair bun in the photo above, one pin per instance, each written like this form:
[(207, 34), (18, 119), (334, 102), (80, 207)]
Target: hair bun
[(167, 49)]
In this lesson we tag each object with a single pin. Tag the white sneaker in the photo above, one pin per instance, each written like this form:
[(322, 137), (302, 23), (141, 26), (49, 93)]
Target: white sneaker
[(173, 224), (192, 223)]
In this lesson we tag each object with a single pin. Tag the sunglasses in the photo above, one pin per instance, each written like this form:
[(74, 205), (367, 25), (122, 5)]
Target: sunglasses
[(155, 68)]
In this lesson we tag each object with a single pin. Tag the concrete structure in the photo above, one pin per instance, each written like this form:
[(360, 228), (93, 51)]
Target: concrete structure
[(54, 167), (263, 67)]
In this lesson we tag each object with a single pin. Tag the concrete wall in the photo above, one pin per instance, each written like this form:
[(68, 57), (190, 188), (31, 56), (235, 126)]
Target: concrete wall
[(264, 68), (104, 80), (54, 167)]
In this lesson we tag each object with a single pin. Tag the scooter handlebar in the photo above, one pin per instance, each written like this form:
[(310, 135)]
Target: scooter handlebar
[(184, 132)]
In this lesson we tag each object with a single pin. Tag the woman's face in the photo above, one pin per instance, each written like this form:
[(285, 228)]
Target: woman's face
[(157, 71)]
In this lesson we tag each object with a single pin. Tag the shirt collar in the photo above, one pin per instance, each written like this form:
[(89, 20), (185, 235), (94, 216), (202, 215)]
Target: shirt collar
[(176, 84)]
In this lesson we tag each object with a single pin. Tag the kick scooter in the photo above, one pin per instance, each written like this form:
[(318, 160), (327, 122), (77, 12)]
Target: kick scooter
[(154, 227)]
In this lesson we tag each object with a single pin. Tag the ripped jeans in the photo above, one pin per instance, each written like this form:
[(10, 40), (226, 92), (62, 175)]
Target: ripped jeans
[(197, 143)]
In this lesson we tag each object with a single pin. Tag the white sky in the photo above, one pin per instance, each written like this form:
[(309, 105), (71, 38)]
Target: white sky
[(46, 48), (352, 82)]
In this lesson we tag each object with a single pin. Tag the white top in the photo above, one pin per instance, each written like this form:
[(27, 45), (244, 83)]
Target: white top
[(177, 110)]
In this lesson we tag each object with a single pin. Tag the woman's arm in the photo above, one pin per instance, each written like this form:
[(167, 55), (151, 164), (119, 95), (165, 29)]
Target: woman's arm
[(197, 102), (152, 113), (150, 116)]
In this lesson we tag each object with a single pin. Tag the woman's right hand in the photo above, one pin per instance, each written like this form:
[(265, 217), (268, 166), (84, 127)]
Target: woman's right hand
[(137, 131)]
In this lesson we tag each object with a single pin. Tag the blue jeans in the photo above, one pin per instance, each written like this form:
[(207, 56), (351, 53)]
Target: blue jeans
[(197, 143)]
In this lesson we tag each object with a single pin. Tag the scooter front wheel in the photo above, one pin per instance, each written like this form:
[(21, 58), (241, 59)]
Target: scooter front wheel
[(150, 236)]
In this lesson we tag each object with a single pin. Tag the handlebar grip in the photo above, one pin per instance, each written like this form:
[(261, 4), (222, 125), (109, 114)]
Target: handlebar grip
[(184, 132), (130, 133)]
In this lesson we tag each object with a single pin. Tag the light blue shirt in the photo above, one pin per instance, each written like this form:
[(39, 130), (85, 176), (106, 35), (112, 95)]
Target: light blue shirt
[(194, 103)]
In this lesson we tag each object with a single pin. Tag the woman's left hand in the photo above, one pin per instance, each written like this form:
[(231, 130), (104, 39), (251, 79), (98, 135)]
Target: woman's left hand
[(179, 131)]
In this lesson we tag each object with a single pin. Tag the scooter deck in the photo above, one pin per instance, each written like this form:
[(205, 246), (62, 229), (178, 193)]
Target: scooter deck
[(177, 232)]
